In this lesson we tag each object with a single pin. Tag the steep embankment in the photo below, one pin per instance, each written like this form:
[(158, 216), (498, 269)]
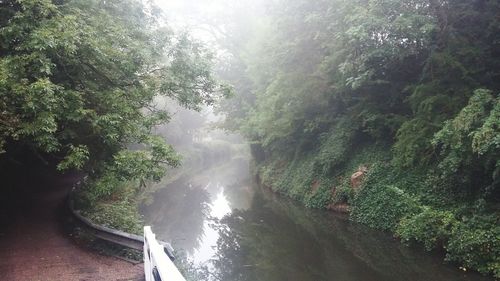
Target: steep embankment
[(410, 203)]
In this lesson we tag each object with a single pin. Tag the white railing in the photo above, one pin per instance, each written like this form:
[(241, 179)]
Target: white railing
[(157, 264)]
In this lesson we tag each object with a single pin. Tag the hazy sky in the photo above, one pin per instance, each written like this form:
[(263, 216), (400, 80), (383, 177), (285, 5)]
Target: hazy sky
[(190, 14), (185, 6), (187, 10), (195, 14)]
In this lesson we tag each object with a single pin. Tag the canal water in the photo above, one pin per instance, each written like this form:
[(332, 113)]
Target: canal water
[(224, 224)]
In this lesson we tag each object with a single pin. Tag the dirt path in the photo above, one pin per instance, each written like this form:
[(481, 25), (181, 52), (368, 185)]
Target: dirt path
[(34, 245)]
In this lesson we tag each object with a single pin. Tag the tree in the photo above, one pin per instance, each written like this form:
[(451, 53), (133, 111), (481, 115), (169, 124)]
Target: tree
[(79, 79)]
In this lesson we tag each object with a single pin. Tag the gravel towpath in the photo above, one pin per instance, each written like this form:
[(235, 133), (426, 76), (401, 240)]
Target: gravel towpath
[(34, 245)]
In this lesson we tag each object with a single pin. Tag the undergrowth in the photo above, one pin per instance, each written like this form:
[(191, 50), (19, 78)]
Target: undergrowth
[(414, 204), (118, 210)]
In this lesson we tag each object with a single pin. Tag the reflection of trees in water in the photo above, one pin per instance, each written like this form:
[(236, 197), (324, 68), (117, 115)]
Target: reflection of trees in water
[(178, 211), (375, 249), (229, 261), (279, 240), (239, 194), (271, 238), (265, 244), (177, 214)]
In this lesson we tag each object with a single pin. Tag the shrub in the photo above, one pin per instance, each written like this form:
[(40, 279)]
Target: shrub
[(101, 188), (121, 215), (335, 146), (117, 209), (343, 194), (297, 179), (430, 227), (382, 206), (321, 197), (475, 243)]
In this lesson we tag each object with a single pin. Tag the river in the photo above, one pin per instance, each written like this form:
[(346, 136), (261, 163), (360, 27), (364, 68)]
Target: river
[(228, 226)]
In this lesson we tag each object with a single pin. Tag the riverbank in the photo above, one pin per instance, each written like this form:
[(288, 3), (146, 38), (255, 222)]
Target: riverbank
[(405, 202)]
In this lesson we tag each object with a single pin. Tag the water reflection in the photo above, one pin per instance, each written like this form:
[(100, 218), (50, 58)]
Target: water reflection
[(186, 211), (264, 244), (243, 232), (178, 214)]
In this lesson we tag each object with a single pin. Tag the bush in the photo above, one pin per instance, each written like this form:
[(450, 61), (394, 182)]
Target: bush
[(101, 188), (343, 194), (322, 196), (430, 227), (297, 179), (334, 148), (382, 206), (475, 244), (121, 215), (118, 209)]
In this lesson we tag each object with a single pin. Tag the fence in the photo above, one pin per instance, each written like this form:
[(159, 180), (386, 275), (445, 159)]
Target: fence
[(158, 255), (158, 266)]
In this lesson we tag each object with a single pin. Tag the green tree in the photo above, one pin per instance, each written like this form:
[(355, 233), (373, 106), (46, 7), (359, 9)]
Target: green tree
[(79, 81)]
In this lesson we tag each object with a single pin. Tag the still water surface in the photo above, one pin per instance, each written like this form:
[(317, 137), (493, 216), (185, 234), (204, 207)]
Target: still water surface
[(237, 230)]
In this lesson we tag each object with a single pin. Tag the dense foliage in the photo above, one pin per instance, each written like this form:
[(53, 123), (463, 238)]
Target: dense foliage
[(407, 89), (83, 81)]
